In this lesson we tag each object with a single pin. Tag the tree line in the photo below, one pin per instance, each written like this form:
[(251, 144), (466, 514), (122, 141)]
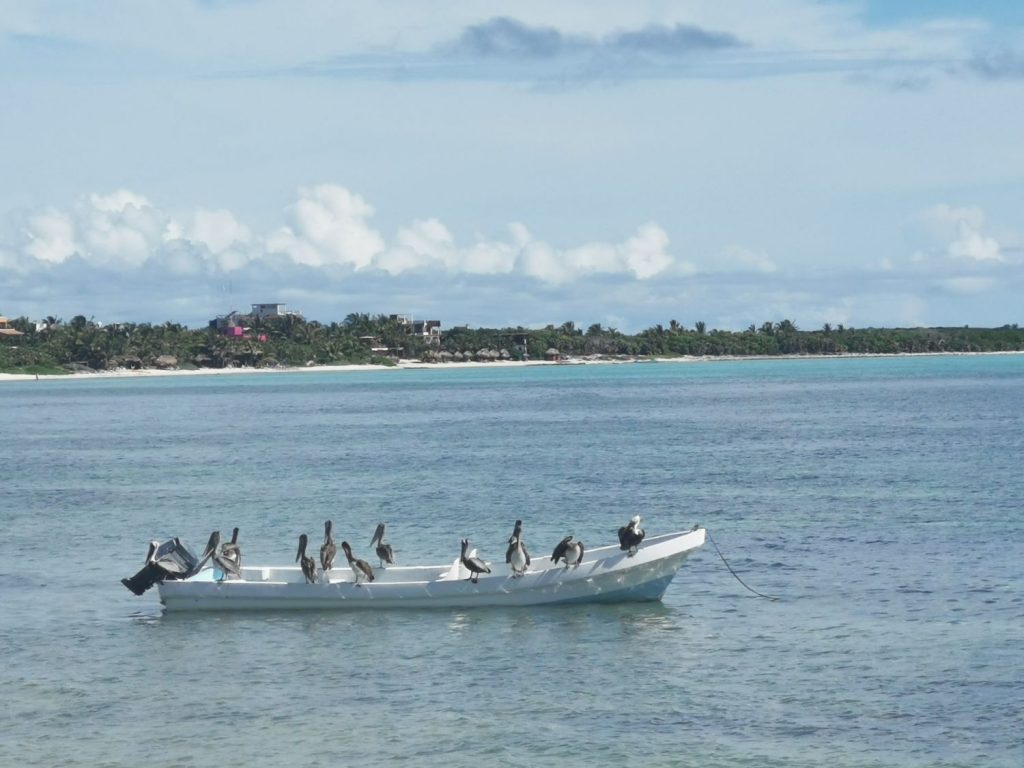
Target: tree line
[(56, 346)]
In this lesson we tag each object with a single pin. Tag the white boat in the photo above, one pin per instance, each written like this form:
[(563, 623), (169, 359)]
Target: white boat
[(606, 575)]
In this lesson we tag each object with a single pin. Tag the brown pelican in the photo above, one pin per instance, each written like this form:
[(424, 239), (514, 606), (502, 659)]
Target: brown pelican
[(630, 535), (384, 551), (328, 550), (360, 568), (308, 563), (516, 555), (516, 533), (473, 564), (230, 557), (151, 554), (570, 551), (210, 551)]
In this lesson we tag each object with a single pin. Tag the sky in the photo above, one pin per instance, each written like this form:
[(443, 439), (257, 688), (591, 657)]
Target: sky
[(856, 162)]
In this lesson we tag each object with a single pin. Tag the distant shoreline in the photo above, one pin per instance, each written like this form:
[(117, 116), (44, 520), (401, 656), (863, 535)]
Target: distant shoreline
[(417, 365)]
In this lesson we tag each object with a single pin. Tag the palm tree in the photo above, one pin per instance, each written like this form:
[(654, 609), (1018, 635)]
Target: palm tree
[(700, 327)]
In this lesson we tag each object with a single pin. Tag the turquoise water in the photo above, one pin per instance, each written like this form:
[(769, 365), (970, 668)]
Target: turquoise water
[(880, 499)]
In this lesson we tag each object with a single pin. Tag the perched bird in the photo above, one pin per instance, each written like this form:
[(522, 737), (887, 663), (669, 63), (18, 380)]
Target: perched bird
[(210, 551), (516, 533), (630, 535), (327, 550), (211, 545), (473, 564), (360, 568), (230, 557), (308, 563), (384, 551), (151, 553), (516, 555), (568, 550)]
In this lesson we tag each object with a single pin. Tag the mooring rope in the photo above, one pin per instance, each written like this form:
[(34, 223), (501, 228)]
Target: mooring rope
[(741, 581)]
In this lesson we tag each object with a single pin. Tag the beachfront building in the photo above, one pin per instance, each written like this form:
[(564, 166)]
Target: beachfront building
[(429, 330), (6, 331), (237, 324), (267, 311), (231, 324)]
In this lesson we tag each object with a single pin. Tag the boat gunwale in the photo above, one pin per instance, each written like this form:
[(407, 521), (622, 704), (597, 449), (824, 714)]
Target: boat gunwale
[(211, 591), (444, 571)]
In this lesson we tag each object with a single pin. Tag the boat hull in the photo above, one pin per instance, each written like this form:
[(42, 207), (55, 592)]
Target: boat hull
[(607, 575)]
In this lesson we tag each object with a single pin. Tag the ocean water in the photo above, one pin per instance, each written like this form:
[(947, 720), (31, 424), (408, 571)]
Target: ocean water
[(881, 499)]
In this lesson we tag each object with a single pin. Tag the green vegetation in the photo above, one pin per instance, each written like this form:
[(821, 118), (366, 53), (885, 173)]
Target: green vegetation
[(80, 344)]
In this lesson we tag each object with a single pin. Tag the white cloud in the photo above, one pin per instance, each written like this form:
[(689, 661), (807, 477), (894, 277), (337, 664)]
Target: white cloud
[(328, 226), (644, 253), (959, 232), (425, 242), (643, 256), (51, 237), (218, 230), (120, 229), (178, 258), (488, 257), (973, 245), (118, 201)]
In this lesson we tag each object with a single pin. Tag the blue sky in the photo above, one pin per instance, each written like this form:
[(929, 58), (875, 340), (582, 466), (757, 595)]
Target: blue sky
[(490, 163)]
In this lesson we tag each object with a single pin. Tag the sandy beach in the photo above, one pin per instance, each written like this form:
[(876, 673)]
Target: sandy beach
[(416, 364), (123, 373)]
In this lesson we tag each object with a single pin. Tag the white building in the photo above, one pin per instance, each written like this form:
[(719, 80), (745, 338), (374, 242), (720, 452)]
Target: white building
[(265, 311)]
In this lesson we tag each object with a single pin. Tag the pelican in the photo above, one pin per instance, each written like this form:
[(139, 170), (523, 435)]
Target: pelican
[(384, 551), (308, 563), (516, 533), (570, 551), (211, 549), (630, 535), (328, 550), (473, 564), (360, 568), (516, 555), (151, 554), (230, 557)]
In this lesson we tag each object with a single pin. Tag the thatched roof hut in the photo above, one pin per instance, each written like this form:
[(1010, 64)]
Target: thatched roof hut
[(166, 361)]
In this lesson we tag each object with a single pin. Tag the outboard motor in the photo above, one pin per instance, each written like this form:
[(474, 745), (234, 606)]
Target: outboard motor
[(168, 561)]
